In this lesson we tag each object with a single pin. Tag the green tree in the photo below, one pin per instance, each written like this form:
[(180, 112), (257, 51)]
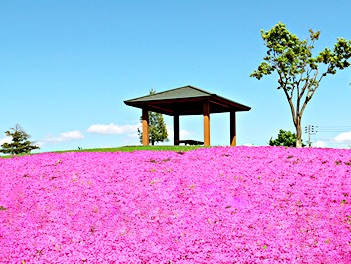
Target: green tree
[(19, 143), (298, 71), (285, 138), (157, 127)]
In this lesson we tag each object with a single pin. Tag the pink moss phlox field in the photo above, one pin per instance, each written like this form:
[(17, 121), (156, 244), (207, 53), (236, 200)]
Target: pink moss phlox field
[(215, 205)]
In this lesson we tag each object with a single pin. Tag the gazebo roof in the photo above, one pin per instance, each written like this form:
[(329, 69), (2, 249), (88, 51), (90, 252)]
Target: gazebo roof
[(187, 100)]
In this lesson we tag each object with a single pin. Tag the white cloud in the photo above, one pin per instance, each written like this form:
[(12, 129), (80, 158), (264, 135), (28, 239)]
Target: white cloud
[(248, 145), (343, 138), (112, 129), (320, 144), (183, 134), (72, 135), (40, 144), (5, 140)]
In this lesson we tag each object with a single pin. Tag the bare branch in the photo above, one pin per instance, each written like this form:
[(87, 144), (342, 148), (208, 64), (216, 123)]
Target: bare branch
[(280, 76), (324, 74), (304, 65), (309, 97), (306, 84)]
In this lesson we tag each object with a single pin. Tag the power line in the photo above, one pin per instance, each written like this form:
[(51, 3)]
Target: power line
[(333, 130), (333, 126), (340, 129)]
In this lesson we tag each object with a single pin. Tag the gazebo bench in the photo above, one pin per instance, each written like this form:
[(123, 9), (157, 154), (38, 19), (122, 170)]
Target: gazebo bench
[(190, 142)]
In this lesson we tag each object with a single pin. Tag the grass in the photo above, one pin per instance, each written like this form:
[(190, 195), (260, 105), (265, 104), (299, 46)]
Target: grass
[(124, 149)]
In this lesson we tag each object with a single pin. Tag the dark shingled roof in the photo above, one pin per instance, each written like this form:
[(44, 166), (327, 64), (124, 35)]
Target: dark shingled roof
[(187, 100)]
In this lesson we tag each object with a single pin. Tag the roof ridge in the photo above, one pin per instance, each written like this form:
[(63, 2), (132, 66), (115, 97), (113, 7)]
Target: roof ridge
[(199, 89), (167, 91)]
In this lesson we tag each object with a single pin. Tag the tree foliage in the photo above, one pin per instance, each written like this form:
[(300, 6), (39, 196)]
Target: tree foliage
[(157, 127), (297, 69), (285, 138), (19, 143)]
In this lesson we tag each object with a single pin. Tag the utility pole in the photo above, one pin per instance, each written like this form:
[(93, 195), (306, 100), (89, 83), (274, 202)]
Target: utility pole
[(310, 130)]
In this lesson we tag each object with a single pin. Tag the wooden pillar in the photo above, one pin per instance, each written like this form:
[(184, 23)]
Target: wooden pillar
[(232, 129), (176, 128), (145, 126), (207, 123)]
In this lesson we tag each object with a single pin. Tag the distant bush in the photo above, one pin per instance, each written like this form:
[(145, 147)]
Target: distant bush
[(285, 138), (19, 143)]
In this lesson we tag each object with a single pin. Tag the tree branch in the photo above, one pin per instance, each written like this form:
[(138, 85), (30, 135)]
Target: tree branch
[(308, 98), (291, 106), (280, 76), (298, 99), (286, 92), (306, 84), (307, 73)]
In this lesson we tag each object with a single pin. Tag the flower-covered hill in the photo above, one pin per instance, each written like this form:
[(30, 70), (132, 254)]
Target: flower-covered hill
[(214, 205)]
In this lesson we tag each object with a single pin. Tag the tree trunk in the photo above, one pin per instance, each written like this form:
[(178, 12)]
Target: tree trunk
[(298, 134)]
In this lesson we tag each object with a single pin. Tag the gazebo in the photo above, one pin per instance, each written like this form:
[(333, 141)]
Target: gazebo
[(187, 100)]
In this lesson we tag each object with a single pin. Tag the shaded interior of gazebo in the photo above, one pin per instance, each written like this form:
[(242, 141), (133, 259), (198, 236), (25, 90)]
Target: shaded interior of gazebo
[(187, 100)]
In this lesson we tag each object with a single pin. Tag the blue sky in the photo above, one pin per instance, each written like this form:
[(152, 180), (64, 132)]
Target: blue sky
[(67, 66)]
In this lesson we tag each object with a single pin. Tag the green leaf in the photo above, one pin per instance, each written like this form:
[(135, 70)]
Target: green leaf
[(157, 127)]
